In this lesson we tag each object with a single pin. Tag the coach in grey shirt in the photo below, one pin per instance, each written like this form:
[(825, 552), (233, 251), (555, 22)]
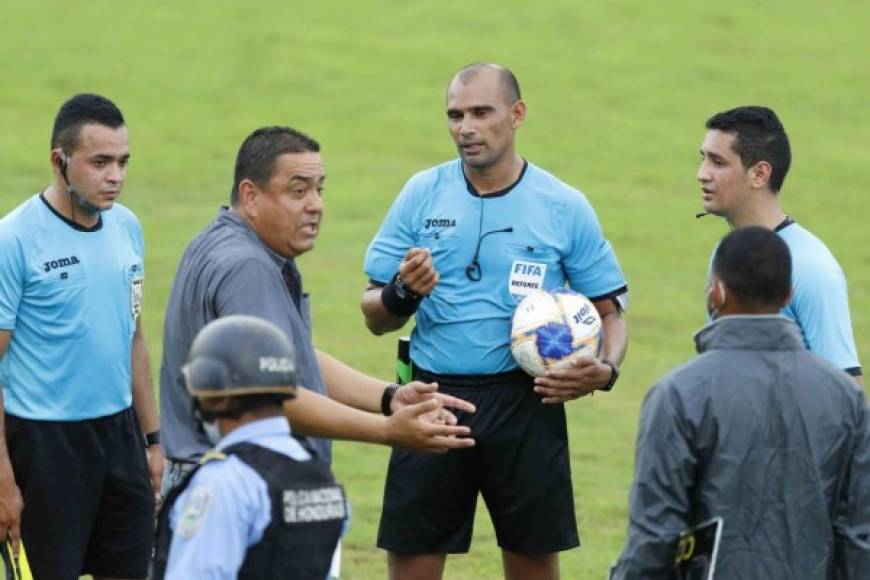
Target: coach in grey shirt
[(244, 263), (226, 268)]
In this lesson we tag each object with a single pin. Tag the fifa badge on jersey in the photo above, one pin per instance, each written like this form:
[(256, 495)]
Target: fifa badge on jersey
[(194, 511), (136, 297), (525, 278)]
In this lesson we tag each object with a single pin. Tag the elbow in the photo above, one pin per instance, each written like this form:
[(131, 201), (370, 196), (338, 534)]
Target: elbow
[(374, 325), (374, 328), (378, 324)]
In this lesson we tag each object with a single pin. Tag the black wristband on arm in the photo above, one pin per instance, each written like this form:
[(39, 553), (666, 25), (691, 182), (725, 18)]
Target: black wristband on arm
[(152, 438), (387, 398), (614, 374), (399, 302)]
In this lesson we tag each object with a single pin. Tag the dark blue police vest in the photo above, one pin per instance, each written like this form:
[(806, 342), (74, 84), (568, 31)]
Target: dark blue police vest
[(308, 513)]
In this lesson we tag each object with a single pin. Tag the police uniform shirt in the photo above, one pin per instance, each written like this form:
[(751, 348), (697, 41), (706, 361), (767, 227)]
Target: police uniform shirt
[(539, 233), (71, 296), (226, 507)]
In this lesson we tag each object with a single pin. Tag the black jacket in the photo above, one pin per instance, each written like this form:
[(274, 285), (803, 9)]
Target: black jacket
[(768, 436)]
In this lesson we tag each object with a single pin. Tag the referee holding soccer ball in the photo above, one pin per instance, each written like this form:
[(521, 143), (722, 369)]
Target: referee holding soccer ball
[(462, 244)]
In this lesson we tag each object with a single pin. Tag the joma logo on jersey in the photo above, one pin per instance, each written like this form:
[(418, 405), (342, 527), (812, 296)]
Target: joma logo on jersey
[(528, 269), (62, 263), (439, 223)]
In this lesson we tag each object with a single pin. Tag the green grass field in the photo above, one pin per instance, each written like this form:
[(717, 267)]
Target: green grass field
[(617, 94)]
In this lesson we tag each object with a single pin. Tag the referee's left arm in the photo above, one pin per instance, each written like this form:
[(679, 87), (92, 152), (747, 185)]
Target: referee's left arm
[(11, 502), (146, 410), (587, 374)]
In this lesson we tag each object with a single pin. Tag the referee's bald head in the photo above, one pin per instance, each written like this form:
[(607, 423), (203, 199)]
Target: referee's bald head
[(508, 84)]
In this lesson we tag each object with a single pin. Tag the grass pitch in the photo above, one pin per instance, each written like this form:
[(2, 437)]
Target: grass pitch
[(617, 95)]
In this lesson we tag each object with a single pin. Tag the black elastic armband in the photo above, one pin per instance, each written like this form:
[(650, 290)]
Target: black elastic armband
[(152, 438), (387, 398), (398, 299)]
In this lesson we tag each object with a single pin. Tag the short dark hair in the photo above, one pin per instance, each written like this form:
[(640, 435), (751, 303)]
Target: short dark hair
[(240, 405), (509, 84), (78, 111), (257, 155), (755, 264), (248, 403), (759, 136)]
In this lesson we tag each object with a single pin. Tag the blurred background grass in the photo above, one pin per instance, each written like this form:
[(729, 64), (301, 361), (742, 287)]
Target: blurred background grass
[(617, 92)]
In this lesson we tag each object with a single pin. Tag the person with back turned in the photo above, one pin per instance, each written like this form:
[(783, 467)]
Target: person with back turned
[(758, 431)]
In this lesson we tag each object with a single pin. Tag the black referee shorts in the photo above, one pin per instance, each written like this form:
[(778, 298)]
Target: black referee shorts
[(88, 504), (520, 465)]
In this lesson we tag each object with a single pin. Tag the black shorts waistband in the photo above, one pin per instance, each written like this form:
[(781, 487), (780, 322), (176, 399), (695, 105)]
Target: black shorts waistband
[(508, 378)]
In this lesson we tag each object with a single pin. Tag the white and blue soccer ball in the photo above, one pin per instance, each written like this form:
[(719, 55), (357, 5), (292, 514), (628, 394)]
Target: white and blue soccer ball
[(550, 328)]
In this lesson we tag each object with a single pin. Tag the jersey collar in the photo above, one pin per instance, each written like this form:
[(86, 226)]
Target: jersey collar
[(473, 190), (69, 222)]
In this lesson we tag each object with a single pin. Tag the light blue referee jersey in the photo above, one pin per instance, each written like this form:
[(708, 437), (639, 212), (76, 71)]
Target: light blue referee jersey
[(71, 297), (820, 299), (820, 305), (539, 233), (226, 508)]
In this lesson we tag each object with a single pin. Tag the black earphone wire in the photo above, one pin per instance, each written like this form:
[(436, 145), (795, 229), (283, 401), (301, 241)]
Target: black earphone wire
[(473, 270)]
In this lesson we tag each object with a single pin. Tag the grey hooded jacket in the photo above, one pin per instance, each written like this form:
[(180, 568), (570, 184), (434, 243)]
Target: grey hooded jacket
[(765, 434)]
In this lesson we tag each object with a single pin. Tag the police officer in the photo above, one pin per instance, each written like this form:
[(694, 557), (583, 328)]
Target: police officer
[(260, 505)]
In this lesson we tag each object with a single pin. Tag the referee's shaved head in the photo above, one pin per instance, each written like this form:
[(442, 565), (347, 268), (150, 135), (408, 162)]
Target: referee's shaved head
[(510, 87)]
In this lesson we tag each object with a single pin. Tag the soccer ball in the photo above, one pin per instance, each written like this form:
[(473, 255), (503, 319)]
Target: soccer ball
[(550, 328)]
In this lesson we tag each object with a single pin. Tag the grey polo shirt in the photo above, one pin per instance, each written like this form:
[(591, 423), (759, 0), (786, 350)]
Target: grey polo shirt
[(226, 270)]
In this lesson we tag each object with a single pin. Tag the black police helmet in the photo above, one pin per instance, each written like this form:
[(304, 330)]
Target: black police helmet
[(237, 356)]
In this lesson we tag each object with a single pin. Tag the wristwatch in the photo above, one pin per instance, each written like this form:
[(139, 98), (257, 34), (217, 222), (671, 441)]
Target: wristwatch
[(614, 374), (402, 291)]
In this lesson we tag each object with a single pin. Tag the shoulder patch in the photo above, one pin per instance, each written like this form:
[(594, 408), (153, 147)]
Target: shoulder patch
[(194, 511), (212, 455)]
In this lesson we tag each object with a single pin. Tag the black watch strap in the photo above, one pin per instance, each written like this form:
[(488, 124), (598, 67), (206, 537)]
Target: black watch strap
[(399, 299), (152, 438), (403, 291), (614, 375), (387, 398)]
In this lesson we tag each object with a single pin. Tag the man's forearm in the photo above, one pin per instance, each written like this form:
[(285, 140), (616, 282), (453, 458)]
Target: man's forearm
[(378, 319), (11, 502), (349, 386), (318, 416), (615, 338), (142, 384), (5, 466), (5, 463)]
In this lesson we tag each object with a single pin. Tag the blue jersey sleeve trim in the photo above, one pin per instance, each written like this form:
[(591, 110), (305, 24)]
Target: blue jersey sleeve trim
[(855, 371)]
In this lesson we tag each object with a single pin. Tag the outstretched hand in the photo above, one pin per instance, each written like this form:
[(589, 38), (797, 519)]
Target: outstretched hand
[(416, 392), (581, 376), (412, 426)]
